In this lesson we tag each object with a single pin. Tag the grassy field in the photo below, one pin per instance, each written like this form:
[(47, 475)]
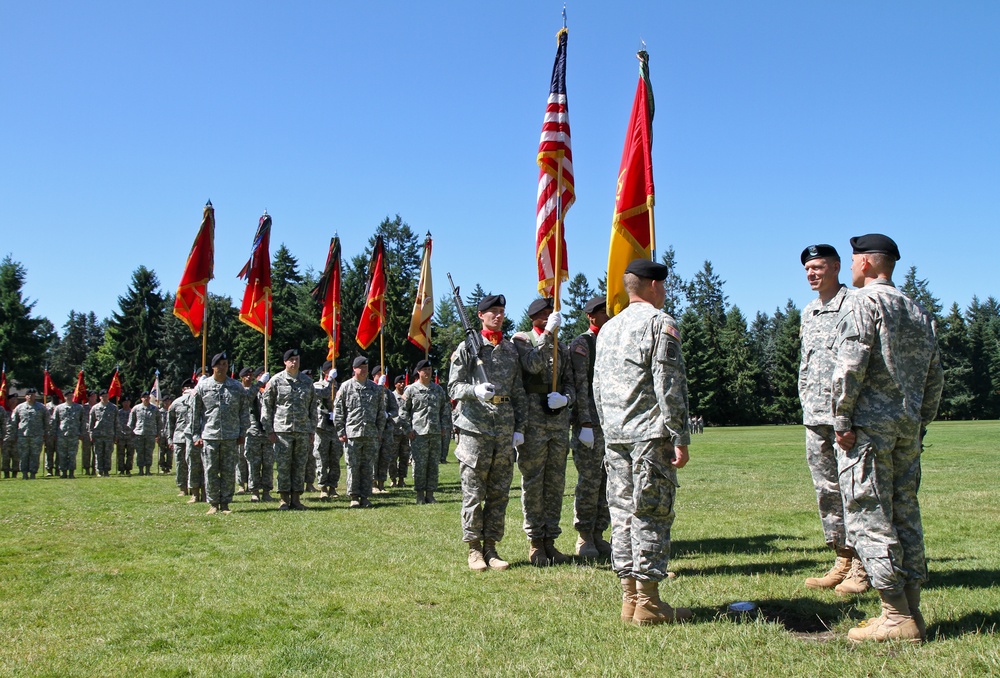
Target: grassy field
[(119, 577)]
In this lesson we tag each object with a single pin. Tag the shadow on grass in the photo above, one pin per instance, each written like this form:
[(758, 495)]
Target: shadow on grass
[(973, 579), (974, 623), (806, 618), (764, 543), (789, 567)]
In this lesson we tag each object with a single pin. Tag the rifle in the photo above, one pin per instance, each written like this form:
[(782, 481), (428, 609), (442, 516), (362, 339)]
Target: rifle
[(473, 340)]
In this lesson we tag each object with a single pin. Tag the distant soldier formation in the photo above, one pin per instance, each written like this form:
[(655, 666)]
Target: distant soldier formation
[(870, 382)]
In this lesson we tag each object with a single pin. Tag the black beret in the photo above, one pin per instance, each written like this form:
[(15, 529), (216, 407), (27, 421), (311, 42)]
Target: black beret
[(145, 394), (644, 268), (290, 353), (127, 397), (219, 356), (399, 380), (595, 304), (421, 364), (491, 300), (817, 252), (875, 243), (187, 383), (104, 391), (539, 305), (327, 365), (360, 361), (246, 372), (29, 391), (259, 371)]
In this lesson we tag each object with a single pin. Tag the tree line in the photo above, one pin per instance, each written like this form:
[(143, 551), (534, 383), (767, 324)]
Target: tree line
[(741, 371)]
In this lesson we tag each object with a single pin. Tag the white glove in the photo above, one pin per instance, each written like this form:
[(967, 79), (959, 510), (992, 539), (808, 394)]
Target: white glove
[(587, 437), (554, 322), (557, 400), (382, 380), (264, 377), (518, 439), (332, 375), (484, 391)]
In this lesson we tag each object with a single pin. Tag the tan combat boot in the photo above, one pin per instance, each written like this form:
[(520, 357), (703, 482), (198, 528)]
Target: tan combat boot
[(649, 609), (255, 497), (585, 546), (183, 492), (224, 508), (628, 599), (355, 501), (284, 505), (492, 558), (420, 497), (838, 573), (554, 555), (325, 493), (603, 545), (241, 488), (896, 622), (297, 502), (477, 563), (212, 509), (856, 580), (536, 553), (912, 592), (194, 495)]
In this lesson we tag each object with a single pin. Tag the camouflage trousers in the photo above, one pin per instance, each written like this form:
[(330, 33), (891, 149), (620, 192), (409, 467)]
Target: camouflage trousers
[(327, 451), (196, 465), (360, 454), (292, 452), (260, 462), (181, 451), (102, 454), (242, 466), (86, 454), (426, 453), (165, 460), (542, 462), (487, 469), (880, 477), (29, 450), (9, 458), (400, 458), (219, 460), (590, 502), (123, 454), (386, 452), (51, 449), (144, 450), (822, 460), (66, 447), (642, 486)]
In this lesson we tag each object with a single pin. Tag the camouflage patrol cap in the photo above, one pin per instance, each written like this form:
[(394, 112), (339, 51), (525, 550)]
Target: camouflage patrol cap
[(539, 305), (818, 252), (491, 300), (875, 243)]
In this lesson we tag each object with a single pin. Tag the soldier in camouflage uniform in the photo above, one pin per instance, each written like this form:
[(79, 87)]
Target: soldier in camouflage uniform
[(220, 417), (70, 430), (87, 446), (424, 413), (887, 385), (124, 446), (242, 465), (165, 459), (359, 417), (8, 458), (288, 417), (391, 431), (542, 457), (104, 428), (818, 328), (144, 424), (399, 459), (51, 440), (640, 388), (258, 449), (590, 506), (29, 424), (327, 449), (179, 435), (491, 417)]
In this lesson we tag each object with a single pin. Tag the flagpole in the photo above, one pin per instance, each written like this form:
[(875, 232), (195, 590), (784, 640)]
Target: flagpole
[(558, 269), (204, 335), (267, 327)]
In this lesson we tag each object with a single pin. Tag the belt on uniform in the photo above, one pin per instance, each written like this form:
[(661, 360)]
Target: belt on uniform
[(496, 400)]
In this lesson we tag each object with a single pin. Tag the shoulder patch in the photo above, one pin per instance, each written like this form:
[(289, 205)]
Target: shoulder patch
[(581, 349), (672, 331), (847, 327)]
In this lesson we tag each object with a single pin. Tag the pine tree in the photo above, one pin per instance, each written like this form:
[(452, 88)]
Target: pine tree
[(919, 291), (22, 346), (705, 295), (134, 330), (741, 373), (674, 285), (703, 365), (984, 357), (574, 319), (953, 342), (788, 409)]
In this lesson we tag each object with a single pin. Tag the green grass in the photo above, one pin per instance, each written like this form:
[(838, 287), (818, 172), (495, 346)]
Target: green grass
[(119, 577)]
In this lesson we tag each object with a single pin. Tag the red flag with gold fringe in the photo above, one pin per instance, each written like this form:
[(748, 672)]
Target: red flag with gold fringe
[(256, 308), (192, 292), (327, 293), (373, 314)]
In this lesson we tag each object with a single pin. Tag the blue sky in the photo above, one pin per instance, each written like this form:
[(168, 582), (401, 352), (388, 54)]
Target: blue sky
[(778, 124)]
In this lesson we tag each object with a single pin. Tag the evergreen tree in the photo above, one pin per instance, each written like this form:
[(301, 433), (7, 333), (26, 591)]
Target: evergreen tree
[(134, 330), (953, 342), (574, 319), (984, 358), (674, 285), (703, 365), (788, 409), (22, 346), (741, 373), (68, 357), (705, 295), (447, 334), (182, 350), (919, 291)]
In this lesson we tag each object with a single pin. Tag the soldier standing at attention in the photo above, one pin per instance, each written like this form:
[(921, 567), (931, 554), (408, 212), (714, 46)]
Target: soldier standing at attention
[(491, 417), (104, 432), (123, 448), (29, 423), (424, 413), (640, 388), (144, 424), (389, 434), (179, 435), (242, 466), (51, 439), (70, 430), (288, 417), (887, 385), (258, 449), (542, 456), (7, 456), (399, 459), (165, 459), (87, 446), (590, 506), (818, 329), (359, 417), (220, 417), (327, 449)]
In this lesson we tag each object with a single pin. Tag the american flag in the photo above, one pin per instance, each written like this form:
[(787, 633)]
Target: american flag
[(555, 177)]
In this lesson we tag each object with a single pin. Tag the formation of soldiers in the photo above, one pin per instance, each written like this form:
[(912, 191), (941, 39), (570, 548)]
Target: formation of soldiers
[(870, 383)]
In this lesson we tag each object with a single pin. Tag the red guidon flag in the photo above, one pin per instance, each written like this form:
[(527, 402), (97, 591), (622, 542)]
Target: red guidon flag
[(115, 390), (80, 392), (327, 293), (192, 293), (556, 191), (256, 308), (373, 314), (423, 306), (49, 388), (3, 388), (632, 226)]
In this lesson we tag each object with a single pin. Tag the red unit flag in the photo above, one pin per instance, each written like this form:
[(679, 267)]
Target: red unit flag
[(373, 314), (256, 308), (192, 293)]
